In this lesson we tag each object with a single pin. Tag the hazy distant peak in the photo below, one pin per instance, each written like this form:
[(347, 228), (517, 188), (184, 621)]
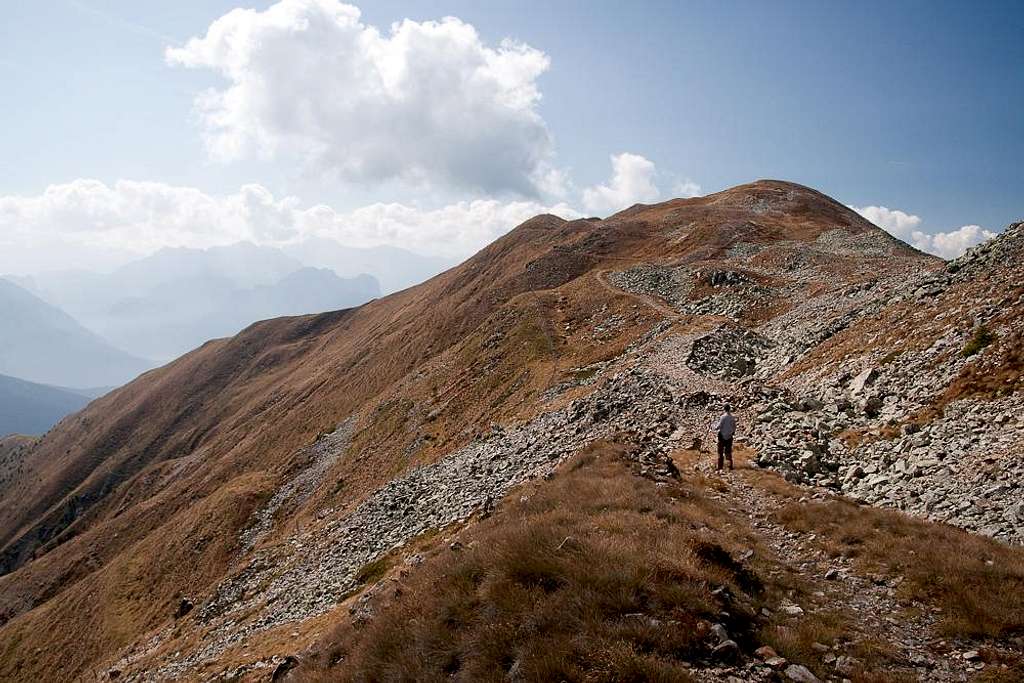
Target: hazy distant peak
[(395, 268), (244, 264), (41, 343)]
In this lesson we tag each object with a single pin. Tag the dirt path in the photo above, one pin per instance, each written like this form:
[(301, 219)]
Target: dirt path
[(904, 636), (648, 300)]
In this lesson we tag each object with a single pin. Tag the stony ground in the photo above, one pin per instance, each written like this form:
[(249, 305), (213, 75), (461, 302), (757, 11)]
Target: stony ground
[(918, 448)]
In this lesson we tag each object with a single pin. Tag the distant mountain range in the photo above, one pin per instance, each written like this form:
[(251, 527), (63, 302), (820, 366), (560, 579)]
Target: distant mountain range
[(394, 268), (41, 343), (171, 302), (84, 329), (177, 316), (29, 408)]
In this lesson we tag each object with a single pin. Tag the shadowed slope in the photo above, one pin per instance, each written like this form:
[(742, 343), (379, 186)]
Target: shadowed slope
[(30, 408), (44, 344)]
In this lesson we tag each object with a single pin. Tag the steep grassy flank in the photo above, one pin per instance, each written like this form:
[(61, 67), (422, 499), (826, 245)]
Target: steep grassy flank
[(13, 450)]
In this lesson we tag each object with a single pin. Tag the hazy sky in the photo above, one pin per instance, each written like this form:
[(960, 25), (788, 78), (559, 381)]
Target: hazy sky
[(130, 125)]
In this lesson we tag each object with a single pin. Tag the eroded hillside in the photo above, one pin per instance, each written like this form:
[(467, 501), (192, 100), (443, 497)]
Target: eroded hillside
[(220, 515)]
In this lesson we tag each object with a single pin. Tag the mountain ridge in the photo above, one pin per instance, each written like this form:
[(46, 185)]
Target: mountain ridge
[(518, 356)]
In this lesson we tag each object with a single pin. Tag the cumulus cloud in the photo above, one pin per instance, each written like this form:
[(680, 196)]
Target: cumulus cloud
[(140, 217), (426, 102), (145, 215), (954, 243), (686, 189), (906, 226), (632, 181), (893, 221)]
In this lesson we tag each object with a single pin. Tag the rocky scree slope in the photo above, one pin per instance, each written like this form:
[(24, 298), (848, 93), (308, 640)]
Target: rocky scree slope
[(916, 403), (204, 519)]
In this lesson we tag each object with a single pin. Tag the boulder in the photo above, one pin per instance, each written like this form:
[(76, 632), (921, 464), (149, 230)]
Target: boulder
[(184, 607), (791, 610), (872, 405), (726, 651), (284, 668), (801, 674), (863, 380), (810, 404)]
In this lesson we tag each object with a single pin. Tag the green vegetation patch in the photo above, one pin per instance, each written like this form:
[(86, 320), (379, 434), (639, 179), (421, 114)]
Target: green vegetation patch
[(982, 338)]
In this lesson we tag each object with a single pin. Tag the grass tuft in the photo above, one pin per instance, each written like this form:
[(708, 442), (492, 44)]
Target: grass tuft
[(982, 338), (373, 571)]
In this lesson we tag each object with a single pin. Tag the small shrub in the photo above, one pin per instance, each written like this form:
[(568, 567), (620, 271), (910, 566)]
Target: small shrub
[(584, 374), (374, 570), (982, 338)]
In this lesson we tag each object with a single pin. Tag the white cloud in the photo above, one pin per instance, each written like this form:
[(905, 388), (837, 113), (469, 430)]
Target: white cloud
[(144, 215), (632, 181), (139, 217), (905, 226), (893, 221), (686, 189), (953, 243), (427, 102), (456, 230)]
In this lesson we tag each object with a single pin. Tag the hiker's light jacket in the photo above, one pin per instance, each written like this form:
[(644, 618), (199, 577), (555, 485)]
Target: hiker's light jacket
[(727, 425)]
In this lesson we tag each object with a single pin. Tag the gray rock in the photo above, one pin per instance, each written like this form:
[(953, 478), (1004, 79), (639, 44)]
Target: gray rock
[(865, 379), (800, 674), (726, 651)]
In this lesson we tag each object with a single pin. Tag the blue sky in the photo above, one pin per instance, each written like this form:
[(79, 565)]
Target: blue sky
[(914, 106)]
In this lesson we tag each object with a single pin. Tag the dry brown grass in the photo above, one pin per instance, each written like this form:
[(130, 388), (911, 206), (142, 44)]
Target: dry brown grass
[(598, 575), (1001, 667), (879, 662), (977, 583), (991, 380)]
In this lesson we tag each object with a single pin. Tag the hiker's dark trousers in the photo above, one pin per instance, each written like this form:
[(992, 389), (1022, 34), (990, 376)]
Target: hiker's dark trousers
[(724, 450)]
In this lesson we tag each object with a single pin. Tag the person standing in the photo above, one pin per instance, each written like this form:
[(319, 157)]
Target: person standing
[(726, 430)]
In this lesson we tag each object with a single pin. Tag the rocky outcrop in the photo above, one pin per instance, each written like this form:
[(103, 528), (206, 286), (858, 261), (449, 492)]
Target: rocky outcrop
[(731, 352), (933, 427), (962, 468)]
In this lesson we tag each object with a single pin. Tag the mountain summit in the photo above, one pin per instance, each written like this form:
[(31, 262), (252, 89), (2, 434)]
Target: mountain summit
[(263, 505)]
